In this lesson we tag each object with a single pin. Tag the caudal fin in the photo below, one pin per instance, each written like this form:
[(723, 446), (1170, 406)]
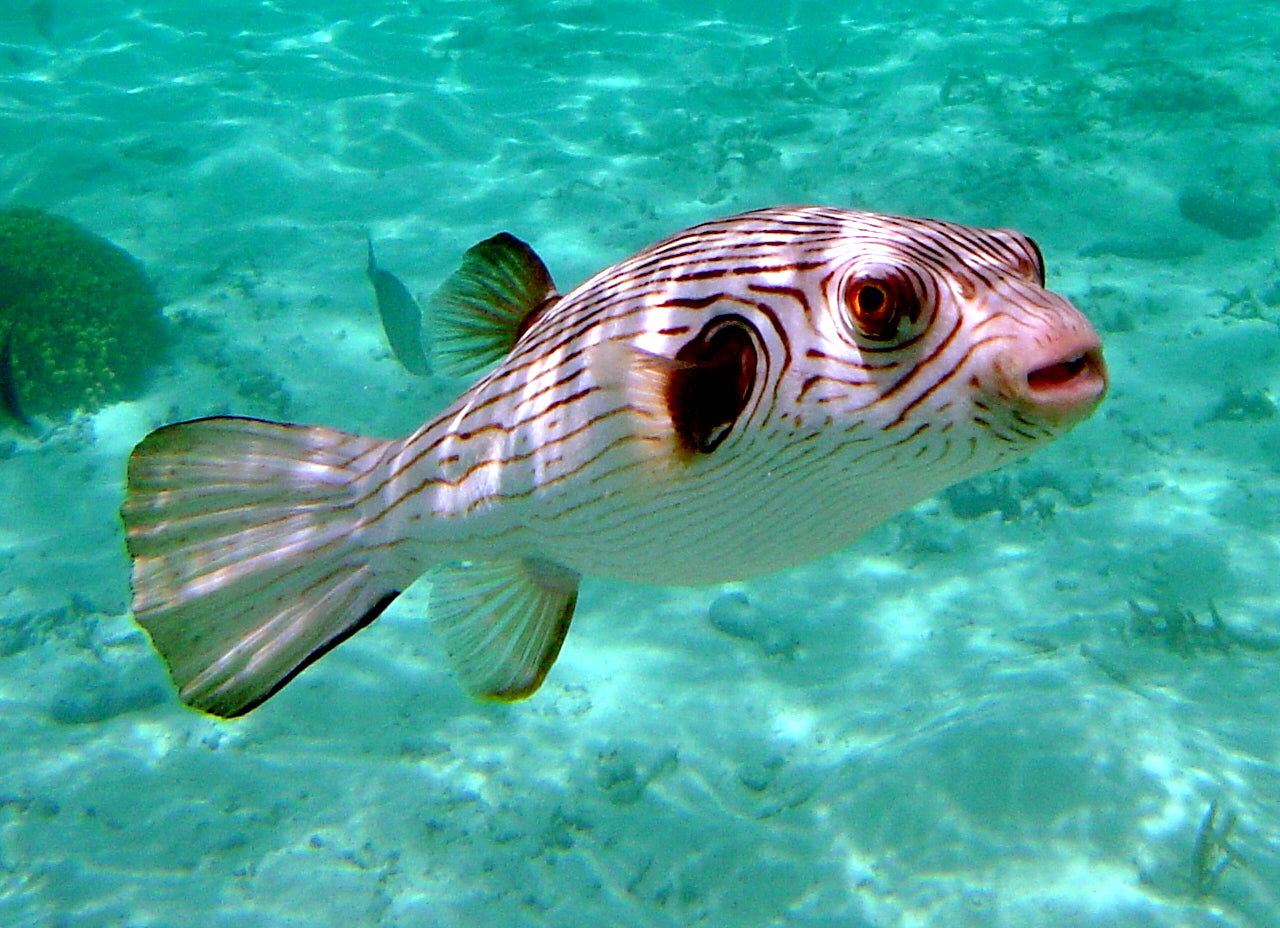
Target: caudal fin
[(248, 562)]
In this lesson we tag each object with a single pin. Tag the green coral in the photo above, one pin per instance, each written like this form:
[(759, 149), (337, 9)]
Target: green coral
[(84, 321)]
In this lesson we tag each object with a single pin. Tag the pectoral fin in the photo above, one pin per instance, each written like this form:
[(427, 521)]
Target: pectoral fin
[(708, 396), (688, 405), (502, 622)]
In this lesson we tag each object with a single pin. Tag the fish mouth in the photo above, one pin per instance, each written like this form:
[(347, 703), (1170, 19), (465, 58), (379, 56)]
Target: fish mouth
[(1070, 385)]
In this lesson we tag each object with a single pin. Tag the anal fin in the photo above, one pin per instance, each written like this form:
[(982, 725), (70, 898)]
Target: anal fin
[(503, 622)]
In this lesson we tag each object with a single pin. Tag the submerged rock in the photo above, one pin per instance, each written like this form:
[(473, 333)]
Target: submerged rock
[(1235, 215), (736, 616), (1141, 248), (87, 708)]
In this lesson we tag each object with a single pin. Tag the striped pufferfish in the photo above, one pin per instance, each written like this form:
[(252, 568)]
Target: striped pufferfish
[(744, 396)]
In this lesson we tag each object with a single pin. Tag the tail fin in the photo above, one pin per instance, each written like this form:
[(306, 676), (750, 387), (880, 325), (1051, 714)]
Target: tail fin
[(247, 558)]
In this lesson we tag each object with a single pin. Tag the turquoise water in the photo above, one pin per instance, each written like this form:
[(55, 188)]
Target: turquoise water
[(1010, 706)]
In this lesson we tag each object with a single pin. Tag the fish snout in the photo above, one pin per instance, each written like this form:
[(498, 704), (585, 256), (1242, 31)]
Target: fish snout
[(1058, 378)]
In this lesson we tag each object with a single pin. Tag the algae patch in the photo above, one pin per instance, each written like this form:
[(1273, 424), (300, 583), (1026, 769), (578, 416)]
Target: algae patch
[(83, 320)]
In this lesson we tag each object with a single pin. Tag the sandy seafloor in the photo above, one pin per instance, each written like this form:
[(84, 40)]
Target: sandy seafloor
[(961, 721)]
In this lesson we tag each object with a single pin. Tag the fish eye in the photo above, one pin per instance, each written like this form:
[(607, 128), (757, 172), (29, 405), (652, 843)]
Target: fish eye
[(878, 306), (871, 299)]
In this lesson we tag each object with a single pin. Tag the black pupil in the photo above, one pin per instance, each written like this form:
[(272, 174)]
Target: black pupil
[(870, 300)]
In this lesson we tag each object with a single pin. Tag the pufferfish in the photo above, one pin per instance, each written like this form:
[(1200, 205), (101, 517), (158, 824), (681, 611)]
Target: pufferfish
[(741, 397)]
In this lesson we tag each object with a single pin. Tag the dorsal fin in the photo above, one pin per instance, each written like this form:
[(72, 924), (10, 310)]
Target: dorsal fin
[(684, 407), (488, 302)]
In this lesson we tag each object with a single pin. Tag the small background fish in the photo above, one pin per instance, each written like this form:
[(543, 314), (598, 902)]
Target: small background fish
[(401, 318), (10, 405)]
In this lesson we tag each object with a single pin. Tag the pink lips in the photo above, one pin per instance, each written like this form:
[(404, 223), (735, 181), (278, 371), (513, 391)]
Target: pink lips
[(1070, 384)]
